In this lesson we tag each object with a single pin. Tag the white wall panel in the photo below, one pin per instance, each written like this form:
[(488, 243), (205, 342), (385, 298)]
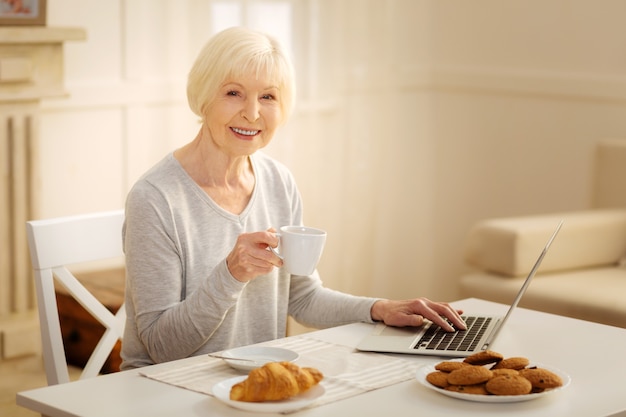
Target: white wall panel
[(80, 162), (154, 131), (156, 39), (99, 58), (133, 66)]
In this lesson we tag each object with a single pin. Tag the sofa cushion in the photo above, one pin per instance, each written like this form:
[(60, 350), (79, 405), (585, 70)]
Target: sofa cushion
[(590, 294), (510, 246)]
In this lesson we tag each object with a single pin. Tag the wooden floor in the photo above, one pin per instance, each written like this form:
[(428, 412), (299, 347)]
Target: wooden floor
[(19, 375)]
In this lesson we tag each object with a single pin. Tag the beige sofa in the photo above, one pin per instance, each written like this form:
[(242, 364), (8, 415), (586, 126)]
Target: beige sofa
[(584, 273)]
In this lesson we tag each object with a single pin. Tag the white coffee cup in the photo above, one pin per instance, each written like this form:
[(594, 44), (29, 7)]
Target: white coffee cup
[(300, 248)]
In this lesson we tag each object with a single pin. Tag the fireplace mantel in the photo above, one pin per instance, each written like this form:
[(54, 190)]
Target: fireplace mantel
[(31, 61), (40, 34), (31, 69)]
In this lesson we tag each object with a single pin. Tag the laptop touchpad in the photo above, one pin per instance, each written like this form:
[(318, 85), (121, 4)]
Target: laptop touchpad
[(399, 331)]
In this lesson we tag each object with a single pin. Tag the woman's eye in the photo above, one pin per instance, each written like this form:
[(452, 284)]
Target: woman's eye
[(267, 97), (232, 93)]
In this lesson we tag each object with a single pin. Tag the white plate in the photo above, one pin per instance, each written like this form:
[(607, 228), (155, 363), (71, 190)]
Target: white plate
[(259, 354), (221, 390), (426, 369)]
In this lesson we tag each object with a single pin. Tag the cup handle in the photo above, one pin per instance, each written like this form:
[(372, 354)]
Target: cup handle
[(274, 251)]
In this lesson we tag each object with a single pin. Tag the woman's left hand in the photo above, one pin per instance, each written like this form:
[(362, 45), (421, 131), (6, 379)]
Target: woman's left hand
[(402, 313)]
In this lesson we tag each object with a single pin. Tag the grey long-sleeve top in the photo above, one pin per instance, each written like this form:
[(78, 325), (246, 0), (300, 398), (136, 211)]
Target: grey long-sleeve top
[(181, 300)]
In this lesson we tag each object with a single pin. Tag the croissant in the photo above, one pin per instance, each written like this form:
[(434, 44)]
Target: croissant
[(275, 381)]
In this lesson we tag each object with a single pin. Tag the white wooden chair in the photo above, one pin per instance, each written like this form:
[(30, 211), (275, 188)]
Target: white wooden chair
[(54, 244)]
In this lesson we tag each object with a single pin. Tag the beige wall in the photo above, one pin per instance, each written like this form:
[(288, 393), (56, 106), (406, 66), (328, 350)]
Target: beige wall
[(416, 118)]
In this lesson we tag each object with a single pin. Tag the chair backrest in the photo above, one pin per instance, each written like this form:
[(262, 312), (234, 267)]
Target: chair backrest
[(55, 244)]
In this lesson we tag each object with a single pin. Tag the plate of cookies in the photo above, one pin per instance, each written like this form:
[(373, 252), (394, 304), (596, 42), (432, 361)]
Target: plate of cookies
[(490, 377)]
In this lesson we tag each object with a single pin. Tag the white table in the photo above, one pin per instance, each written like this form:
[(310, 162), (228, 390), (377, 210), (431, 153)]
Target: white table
[(596, 363)]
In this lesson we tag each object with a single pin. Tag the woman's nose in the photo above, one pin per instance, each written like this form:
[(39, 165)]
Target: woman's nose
[(250, 110)]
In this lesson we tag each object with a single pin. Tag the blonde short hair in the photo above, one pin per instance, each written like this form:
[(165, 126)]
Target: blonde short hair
[(235, 52)]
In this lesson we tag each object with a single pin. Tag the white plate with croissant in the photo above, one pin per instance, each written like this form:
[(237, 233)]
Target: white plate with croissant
[(276, 387), (221, 391)]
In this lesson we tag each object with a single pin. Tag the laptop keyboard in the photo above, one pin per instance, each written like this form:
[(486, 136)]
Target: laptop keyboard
[(436, 338)]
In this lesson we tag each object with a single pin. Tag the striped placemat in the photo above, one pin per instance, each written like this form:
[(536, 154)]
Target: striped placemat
[(347, 372)]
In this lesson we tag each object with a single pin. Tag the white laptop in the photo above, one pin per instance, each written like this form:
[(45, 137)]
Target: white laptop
[(431, 339)]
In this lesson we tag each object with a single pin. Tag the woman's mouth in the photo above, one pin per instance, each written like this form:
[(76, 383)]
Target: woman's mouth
[(244, 132)]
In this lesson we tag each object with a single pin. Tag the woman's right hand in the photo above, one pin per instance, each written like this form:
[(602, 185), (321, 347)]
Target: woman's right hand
[(250, 257)]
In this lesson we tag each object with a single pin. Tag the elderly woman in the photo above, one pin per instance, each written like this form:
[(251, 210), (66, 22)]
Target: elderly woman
[(199, 223)]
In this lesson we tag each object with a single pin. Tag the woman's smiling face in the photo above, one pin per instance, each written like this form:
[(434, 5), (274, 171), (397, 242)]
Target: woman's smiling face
[(244, 115)]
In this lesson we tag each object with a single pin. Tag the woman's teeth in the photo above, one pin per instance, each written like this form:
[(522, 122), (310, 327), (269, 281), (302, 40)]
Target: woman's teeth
[(245, 132)]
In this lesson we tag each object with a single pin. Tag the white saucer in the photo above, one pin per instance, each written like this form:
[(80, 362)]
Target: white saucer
[(260, 355), (221, 390)]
